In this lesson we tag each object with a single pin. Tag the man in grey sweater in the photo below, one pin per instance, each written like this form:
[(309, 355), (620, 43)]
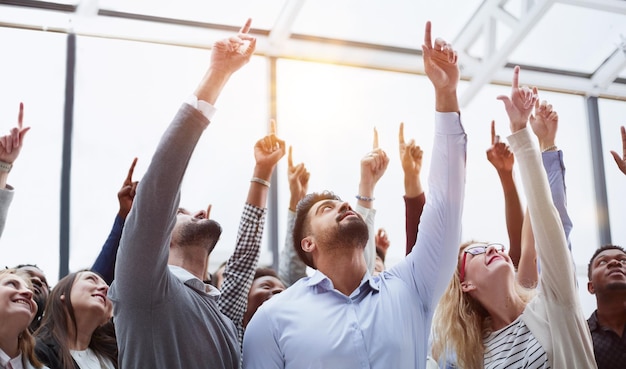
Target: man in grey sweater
[(165, 316)]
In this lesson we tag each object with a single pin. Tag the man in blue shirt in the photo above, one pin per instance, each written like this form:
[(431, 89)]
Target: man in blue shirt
[(341, 316)]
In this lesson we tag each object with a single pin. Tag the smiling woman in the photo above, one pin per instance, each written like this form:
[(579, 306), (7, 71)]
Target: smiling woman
[(17, 309), (75, 332)]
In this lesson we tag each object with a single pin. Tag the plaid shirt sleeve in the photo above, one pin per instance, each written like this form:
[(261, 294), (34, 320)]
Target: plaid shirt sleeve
[(242, 265)]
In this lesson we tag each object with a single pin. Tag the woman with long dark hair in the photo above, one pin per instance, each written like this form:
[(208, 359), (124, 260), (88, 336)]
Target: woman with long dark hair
[(75, 331)]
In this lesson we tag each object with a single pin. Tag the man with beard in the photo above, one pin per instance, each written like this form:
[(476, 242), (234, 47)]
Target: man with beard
[(165, 316), (341, 316), (607, 281)]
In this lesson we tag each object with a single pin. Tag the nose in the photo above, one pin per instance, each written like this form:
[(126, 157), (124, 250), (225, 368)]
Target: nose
[(27, 293), (102, 286), (491, 250), (200, 214), (345, 206), (614, 263)]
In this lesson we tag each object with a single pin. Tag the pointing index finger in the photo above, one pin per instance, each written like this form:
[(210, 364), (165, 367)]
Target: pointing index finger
[(246, 27), (493, 132), (516, 77), (129, 177), (375, 138), (289, 158), (20, 116), (427, 37), (401, 134)]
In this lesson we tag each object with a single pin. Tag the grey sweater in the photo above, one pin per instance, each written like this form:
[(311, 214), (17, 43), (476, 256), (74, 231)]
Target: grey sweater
[(160, 321)]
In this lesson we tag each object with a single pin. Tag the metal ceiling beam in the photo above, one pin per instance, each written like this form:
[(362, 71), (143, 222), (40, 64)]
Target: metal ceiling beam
[(157, 30), (494, 62), (281, 31), (610, 69), (611, 6)]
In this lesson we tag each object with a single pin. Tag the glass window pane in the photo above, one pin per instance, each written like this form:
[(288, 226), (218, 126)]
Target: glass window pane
[(127, 93), (33, 72)]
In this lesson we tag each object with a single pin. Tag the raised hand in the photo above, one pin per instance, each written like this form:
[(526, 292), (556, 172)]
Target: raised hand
[(267, 152), (374, 164), (11, 144), (410, 155), (440, 62), (382, 240), (499, 154), (298, 178), (621, 160), (126, 194), (520, 104), (231, 54), (544, 124)]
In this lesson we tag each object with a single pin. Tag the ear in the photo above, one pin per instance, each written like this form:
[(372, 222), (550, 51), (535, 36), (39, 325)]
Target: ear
[(467, 287), (308, 244), (590, 288)]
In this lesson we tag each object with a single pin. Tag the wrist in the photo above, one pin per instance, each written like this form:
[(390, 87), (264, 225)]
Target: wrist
[(211, 85), (547, 145), (263, 173), (446, 101)]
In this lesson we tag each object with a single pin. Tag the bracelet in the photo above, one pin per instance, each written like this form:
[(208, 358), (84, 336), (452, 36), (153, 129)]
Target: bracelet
[(261, 181), (551, 148), (365, 198), (5, 167)]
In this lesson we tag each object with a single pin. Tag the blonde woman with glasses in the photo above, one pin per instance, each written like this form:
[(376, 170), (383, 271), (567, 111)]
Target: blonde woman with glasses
[(485, 317)]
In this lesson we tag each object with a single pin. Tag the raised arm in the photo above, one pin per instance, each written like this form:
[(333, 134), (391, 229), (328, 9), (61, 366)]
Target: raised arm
[(431, 263), (241, 266), (414, 198), (105, 262), (10, 147), (290, 266), (621, 160), (502, 159), (373, 166), (144, 247)]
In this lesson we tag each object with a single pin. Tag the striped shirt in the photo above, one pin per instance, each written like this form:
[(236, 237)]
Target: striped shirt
[(514, 346)]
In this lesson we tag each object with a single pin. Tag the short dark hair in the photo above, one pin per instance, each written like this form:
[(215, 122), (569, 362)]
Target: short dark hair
[(300, 228), (598, 251), (265, 272)]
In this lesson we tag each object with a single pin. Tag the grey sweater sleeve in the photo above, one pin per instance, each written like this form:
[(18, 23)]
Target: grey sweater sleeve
[(141, 273)]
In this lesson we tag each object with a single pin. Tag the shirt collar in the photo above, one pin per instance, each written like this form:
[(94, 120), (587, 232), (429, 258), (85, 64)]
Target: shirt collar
[(16, 362), (192, 281), (320, 279), (593, 321)]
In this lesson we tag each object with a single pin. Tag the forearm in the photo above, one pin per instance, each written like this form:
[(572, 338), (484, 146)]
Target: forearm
[(369, 215), (513, 213), (557, 272), (212, 85), (149, 224), (413, 212), (446, 101), (433, 258), (6, 197), (105, 262), (290, 267), (242, 264)]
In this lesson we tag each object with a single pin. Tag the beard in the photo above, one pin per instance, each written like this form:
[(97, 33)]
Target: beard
[(354, 232), (205, 232)]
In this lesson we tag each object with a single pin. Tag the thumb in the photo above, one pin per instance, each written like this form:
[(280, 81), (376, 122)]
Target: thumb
[(616, 156), (505, 99)]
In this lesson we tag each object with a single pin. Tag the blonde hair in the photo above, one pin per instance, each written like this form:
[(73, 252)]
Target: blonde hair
[(25, 340), (460, 323)]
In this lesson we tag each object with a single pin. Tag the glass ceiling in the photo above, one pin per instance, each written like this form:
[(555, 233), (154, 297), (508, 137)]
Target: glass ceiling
[(581, 44)]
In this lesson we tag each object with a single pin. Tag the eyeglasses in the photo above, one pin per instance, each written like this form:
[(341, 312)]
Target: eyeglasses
[(477, 250)]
